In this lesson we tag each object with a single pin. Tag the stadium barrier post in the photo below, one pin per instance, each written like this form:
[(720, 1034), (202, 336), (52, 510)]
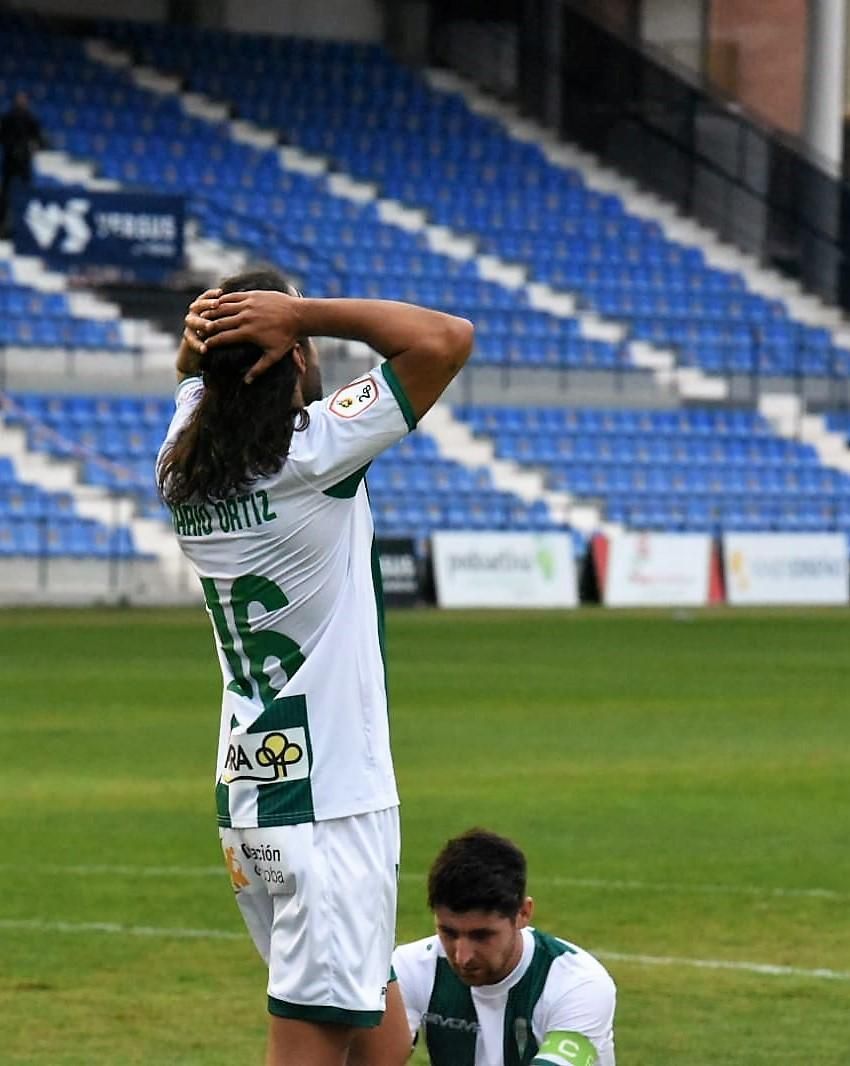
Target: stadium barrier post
[(43, 564), (113, 560)]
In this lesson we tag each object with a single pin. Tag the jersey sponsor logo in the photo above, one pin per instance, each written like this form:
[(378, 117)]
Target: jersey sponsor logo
[(352, 400), (462, 1025), (267, 757)]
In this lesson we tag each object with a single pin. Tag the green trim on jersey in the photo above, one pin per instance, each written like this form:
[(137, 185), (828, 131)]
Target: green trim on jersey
[(347, 488), (560, 1048), (401, 396), (451, 1024), (363, 1019), (520, 1045), (378, 586)]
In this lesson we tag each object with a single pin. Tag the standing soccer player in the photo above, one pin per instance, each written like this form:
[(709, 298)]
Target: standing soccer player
[(265, 481)]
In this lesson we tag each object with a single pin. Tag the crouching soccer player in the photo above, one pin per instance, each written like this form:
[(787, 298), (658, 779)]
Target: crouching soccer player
[(488, 989)]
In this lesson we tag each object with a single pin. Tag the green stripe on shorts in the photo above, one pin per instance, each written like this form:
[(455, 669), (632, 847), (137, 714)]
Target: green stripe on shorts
[(363, 1019)]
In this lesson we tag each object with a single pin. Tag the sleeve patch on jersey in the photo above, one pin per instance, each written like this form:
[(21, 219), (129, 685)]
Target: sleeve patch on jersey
[(566, 1049), (352, 400)]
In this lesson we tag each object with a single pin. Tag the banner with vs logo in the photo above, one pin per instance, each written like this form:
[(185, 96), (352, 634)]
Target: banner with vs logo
[(71, 227)]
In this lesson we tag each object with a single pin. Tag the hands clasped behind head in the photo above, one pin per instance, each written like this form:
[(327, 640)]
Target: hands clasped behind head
[(270, 320)]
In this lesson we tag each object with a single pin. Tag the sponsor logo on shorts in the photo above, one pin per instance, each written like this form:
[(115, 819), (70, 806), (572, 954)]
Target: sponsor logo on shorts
[(264, 852), (266, 859), (234, 868), (280, 755)]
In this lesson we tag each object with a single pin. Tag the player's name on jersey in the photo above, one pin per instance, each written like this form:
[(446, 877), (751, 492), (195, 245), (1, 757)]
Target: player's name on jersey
[(228, 516)]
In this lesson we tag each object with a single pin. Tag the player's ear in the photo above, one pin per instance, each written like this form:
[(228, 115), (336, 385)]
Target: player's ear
[(298, 357), (525, 913)]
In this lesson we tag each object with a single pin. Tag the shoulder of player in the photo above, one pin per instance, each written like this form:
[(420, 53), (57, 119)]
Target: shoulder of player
[(417, 960), (415, 967), (573, 967), (422, 952), (578, 996)]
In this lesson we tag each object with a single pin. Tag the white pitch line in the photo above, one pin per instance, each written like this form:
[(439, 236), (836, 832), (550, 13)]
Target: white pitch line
[(38, 926), (95, 870), (668, 887), (700, 888), (175, 932), (769, 969)]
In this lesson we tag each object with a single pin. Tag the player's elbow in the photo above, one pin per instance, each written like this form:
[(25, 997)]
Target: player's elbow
[(453, 346), (465, 337)]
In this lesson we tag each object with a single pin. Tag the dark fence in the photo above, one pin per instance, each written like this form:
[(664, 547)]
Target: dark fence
[(754, 186)]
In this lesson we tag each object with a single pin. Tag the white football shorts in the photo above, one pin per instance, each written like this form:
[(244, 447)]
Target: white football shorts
[(319, 900)]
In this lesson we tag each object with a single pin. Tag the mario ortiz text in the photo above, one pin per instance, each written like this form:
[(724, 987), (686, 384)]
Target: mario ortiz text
[(225, 516)]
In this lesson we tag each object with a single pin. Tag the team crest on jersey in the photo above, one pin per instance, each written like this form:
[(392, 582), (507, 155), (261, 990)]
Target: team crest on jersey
[(352, 400), (279, 755), (521, 1035)]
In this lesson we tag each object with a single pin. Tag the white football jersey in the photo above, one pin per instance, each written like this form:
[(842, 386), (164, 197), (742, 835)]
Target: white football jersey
[(292, 586), (556, 990)]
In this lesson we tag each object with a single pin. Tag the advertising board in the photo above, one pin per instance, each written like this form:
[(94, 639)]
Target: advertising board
[(504, 570)]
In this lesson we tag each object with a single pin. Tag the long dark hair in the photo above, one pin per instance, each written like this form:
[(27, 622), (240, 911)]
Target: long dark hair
[(238, 432)]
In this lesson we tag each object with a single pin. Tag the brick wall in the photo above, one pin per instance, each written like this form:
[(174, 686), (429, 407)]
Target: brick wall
[(757, 53)]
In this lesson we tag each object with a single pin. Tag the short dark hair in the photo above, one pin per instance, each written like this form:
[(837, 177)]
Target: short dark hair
[(478, 870)]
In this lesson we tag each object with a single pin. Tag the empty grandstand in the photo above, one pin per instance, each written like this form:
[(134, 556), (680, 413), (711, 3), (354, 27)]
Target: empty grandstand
[(627, 375)]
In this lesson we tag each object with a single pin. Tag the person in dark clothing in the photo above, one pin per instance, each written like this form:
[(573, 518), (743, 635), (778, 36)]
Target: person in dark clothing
[(20, 137)]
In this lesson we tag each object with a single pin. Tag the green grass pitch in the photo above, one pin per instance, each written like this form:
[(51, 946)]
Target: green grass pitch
[(679, 782)]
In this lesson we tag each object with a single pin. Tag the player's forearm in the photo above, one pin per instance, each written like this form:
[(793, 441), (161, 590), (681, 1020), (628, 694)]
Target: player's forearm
[(389, 327), (188, 361)]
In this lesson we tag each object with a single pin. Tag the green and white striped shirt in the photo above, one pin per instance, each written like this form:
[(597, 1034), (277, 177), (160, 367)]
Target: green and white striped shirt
[(292, 587), (556, 1007)]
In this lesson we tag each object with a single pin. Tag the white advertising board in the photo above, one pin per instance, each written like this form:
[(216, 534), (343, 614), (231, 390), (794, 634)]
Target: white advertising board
[(504, 570), (657, 570), (790, 568)]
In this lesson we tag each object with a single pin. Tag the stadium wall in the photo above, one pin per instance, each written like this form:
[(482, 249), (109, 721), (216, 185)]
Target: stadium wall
[(345, 20), (150, 11), (759, 53), (349, 20), (675, 27)]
